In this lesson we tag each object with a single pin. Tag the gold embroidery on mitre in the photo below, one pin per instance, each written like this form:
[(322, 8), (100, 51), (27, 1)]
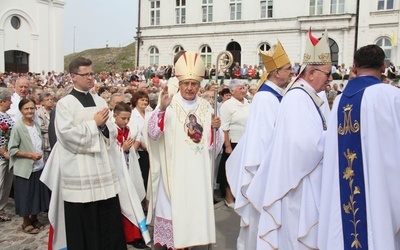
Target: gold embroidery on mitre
[(348, 125), (350, 207), (325, 57), (319, 53), (306, 57)]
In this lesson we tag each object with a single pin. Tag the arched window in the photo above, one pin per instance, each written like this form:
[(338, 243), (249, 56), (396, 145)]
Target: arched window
[(205, 53), (334, 51), (153, 56), (177, 49), (386, 46), (262, 47)]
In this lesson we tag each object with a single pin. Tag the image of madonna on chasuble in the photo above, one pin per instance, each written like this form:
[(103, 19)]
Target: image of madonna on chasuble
[(180, 146)]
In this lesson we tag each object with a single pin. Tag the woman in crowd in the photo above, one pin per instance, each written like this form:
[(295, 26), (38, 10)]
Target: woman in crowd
[(139, 102), (6, 175), (26, 159), (233, 114)]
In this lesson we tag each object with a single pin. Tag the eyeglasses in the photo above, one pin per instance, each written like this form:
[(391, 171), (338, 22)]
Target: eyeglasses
[(85, 75), (328, 74)]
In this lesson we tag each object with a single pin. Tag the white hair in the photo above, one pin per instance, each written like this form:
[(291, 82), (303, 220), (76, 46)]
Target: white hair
[(234, 83)]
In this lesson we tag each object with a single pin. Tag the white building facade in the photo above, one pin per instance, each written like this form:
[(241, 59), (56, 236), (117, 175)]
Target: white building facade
[(246, 26), (31, 35)]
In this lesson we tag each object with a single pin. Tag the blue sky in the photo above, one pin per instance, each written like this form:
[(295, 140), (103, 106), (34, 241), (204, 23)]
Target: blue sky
[(99, 21)]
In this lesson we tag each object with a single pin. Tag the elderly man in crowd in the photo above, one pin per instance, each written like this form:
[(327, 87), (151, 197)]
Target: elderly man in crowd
[(114, 99), (21, 92)]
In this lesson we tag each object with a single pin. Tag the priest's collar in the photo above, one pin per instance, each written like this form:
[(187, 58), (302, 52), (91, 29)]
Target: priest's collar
[(188, 105), (84, 97), (307, 85), (189, 102), (81, 91), (274, 86)]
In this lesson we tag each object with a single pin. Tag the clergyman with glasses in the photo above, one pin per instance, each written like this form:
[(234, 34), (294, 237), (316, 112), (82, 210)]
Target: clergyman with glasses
[(86, 184), (180, 147), (244, 162), (290, 207)]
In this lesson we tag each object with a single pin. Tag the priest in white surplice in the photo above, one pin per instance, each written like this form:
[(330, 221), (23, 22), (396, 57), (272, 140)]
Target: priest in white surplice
[(290, 199), (245, 159), (360, 177), (80, 172), (180, 149)]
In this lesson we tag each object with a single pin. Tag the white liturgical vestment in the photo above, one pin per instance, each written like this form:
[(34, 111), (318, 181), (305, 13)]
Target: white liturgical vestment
[(81, 166), (181, 188), (289, 202), (245, 159), (380, 143)]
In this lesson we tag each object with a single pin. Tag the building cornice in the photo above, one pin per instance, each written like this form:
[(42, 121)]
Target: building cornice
[(57, 3), (212, 24), (384, 25), (384, 12), (335, 17)]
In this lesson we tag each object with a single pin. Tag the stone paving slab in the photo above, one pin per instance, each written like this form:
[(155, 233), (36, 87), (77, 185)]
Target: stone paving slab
[(12, 237), (227, 224)]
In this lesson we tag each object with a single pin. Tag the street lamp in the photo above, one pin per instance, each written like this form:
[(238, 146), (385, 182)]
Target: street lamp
[(139, 42), (138, 34)]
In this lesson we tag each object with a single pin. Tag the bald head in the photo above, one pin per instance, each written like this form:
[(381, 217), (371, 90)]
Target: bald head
[(114, 99), (142, 86), (22, 87)]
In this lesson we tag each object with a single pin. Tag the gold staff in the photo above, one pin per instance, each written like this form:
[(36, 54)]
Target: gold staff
[(224, 61)]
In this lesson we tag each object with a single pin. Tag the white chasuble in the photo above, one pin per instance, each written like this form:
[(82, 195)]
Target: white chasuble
[(181, 172), (244, 161), (290, 199), (380, 143)]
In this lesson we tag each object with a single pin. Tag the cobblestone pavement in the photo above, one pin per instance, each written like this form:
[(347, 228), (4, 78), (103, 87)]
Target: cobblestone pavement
[(12, 237)]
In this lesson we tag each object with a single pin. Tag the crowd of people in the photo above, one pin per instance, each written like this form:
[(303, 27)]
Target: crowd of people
[(305, 163)]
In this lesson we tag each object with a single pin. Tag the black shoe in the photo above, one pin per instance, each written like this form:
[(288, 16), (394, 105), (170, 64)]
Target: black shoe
[(139, 244)]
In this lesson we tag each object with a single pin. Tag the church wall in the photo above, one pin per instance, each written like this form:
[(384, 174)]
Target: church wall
[(37, 35)]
